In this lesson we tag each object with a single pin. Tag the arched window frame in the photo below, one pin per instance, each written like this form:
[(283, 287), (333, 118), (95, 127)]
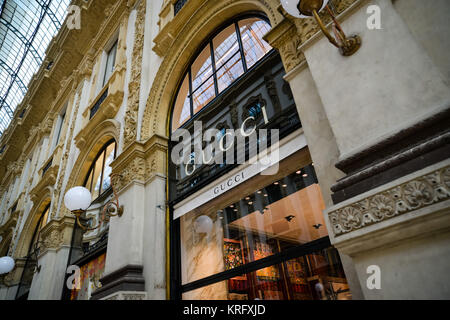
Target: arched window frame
[(92, 168), (187, 75)]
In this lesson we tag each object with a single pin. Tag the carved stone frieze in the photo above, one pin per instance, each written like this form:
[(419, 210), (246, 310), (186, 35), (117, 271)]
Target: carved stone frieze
[(54, 240), (140, 162), (57, 233), (131, 114), (409, 196)]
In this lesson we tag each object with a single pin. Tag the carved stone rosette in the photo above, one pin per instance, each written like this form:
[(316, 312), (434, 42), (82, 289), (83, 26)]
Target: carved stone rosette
[(409, 196)]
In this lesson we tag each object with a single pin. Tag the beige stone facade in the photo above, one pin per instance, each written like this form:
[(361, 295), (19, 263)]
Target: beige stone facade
[(375, 124)]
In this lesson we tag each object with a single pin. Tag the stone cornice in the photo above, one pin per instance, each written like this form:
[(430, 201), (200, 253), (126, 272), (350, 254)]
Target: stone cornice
[(170, 26), (9, 225), (48, 180), (57, 233), (389, 202), (140, 162)]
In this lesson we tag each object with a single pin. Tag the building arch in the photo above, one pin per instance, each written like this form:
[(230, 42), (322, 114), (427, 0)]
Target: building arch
[(203, 23), (90, 144), (32, 221)]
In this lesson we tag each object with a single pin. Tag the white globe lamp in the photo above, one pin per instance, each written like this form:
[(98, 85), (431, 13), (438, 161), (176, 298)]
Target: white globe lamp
[(6, 264), (303, 8), (203, 224), (77, 199)]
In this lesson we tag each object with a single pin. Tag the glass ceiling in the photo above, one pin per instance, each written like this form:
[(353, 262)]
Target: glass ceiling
[(26, 29)]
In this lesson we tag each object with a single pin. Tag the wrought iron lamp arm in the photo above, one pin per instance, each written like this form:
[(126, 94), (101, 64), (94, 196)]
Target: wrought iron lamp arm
[(111, 209)]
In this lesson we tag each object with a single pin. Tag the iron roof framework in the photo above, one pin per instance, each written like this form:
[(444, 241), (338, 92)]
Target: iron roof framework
[(26, 29)]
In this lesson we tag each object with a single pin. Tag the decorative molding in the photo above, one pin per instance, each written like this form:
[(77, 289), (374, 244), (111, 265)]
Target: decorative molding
[(417, 193), (175, 43), (140, 162), (418, 144), (128, 280), (57, 233), (131, 114), (127, 295)]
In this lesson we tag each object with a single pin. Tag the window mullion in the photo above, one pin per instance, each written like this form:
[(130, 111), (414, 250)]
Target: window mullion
[(241, 47), (190, 93), (213, 65), (103, 170)]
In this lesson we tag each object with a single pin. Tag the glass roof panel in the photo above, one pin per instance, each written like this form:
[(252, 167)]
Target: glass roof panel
[(26, 29)]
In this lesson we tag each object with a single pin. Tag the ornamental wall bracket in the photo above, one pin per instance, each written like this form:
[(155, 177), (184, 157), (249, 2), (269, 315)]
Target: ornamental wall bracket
[(420, 192), (140, 162)]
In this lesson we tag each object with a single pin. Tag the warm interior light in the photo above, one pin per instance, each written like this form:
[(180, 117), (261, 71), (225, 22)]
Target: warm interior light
[(78, 198)]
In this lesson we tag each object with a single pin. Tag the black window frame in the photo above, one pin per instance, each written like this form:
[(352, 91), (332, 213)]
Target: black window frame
[(92, 168), (30, 252), (209, 42)]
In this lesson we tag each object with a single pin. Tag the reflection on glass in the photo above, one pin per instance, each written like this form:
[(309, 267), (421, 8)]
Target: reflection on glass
[(315, 276), (44, 218), (107, 171), (228, 66), (182, 109), (225, 45), (98, 179), (285, 214), (252, 31), (201, 68), (204, 94), (229, 72), (97, 176), (88, 184)]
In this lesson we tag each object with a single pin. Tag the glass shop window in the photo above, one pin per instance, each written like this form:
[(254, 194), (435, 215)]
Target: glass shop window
[(282, 215), (97, 180), (226, 57)]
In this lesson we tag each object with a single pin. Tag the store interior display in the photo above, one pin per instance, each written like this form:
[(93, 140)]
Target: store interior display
[(284, 215)]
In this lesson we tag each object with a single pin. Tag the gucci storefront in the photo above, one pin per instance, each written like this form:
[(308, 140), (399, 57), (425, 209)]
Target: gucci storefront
[(245, 204)]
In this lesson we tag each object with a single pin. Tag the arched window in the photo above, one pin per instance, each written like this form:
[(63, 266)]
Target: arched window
[(98, 180), (32, 256), (226, 57)]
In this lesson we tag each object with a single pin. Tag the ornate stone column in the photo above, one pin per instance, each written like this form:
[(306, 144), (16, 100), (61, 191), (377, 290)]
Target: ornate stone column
[(53, 256), (135, 260), (385, 132)]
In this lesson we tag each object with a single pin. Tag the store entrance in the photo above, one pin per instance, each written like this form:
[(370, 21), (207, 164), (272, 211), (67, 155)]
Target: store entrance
[(272, 244)]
